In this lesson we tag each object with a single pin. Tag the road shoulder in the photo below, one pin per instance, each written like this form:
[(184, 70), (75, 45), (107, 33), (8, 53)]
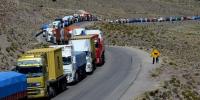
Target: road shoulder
[(143, 82)]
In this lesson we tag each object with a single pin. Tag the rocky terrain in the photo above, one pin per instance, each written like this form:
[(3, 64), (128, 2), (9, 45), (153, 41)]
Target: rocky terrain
[(19, 21)]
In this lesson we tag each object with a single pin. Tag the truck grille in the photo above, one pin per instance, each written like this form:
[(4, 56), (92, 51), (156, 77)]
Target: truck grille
[(32, 91)]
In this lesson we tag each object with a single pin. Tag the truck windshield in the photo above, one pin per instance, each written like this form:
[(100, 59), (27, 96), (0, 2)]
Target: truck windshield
[(30, 71), (67, 60), (29, 62)]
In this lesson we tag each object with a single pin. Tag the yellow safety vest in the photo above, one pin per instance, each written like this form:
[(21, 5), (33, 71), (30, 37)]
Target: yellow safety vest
[(155, 53)]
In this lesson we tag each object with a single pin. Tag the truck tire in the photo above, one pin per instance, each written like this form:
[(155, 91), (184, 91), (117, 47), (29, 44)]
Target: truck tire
[(94, 65), (103, 58), (92, 69), (51, 92), (84, 74), (63, 86), (76, 77)]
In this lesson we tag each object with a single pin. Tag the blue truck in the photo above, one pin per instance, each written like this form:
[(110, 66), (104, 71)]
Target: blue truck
[(13, 86)]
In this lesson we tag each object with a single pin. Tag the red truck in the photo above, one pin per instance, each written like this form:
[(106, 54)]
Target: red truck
[(99, 46)]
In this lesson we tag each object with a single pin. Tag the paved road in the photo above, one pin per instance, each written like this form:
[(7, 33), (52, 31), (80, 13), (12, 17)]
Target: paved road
[(108, 82)]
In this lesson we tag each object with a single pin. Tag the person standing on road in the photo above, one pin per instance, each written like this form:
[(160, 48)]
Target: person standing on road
[(155, 54)]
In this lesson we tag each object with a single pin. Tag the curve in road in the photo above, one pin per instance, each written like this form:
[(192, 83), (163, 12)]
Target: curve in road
[(114, 80), (108, 82)]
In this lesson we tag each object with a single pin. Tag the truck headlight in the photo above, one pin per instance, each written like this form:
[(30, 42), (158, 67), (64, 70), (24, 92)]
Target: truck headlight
[(37, 84)]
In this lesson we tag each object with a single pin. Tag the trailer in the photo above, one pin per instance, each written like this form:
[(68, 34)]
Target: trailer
[(13, 86), (99, 45), (86, 43), (74, 63)]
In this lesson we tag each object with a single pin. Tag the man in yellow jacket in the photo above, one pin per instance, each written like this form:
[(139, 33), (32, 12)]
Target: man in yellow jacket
[(155, 54)]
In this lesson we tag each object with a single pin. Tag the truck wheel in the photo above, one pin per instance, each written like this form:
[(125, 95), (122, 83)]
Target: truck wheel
[(51, 92), (64, 86), (93, 66), (103, 58), (76, 77), (92, 69), (84, 74)]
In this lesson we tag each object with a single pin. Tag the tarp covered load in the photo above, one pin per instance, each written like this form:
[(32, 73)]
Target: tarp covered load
[(12, 83), (80, 58), (81, 45)]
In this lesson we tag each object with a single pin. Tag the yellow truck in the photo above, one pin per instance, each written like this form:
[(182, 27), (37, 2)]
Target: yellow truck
[(44, 72)]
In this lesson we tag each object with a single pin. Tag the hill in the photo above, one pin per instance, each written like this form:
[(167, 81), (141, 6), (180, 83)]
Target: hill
[(20, 19)]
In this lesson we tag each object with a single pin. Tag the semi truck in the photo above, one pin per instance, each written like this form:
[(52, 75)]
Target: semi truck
[(44, 71), (86, 43), (78, 31), (100, 49), (13, 86), (74, 63)]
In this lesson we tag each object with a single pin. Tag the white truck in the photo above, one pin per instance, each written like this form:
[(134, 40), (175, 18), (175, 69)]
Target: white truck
[(78, 31), (73, 63), (48, 33)]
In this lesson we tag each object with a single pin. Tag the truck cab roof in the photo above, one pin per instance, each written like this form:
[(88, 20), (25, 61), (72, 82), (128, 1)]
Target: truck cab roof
[(42, 50), (66, 49), (89, 36), (88, 32)]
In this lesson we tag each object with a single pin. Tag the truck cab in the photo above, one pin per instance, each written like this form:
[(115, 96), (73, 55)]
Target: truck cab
[(33, 67), (44, 72), (99, 46), (86, 43), (73, 62)]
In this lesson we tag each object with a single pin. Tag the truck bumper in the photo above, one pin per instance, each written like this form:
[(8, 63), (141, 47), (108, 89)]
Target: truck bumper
[(70, 78), (98, 61), (36, 92), (89, 68)]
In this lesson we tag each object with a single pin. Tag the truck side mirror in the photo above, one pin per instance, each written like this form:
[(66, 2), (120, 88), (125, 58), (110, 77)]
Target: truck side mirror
[(73, 60)]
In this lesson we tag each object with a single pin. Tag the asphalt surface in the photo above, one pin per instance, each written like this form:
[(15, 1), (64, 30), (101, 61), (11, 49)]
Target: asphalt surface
[(108, 82)]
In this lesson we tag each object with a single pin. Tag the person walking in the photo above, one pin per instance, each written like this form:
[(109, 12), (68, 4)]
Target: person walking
[(155, 54)]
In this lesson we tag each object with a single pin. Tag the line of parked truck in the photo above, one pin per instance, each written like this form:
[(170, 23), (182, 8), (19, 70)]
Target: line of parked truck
[(46, 72), (155, 19), (58, 29)]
